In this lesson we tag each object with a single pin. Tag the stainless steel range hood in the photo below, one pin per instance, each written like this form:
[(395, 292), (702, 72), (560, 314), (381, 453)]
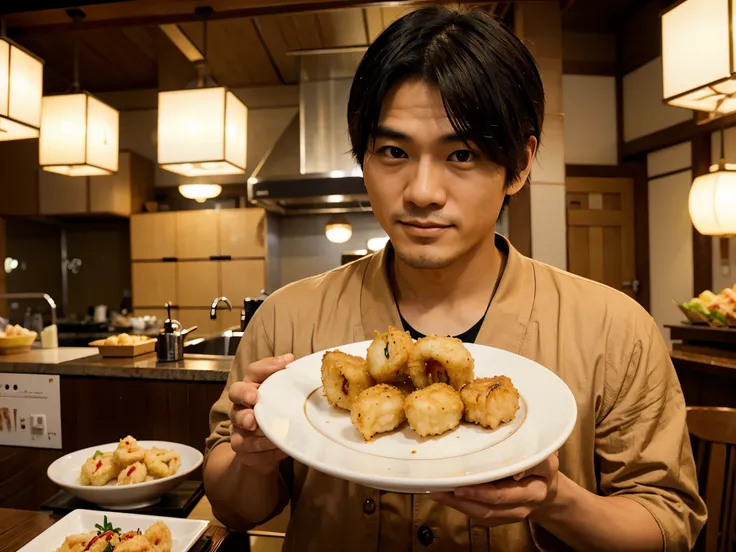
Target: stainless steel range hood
[(310, 169)]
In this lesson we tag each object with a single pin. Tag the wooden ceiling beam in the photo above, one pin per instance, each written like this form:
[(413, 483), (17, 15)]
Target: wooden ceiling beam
[(163, 12)]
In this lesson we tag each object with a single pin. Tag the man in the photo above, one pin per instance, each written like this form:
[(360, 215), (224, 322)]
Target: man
[(444, 116)]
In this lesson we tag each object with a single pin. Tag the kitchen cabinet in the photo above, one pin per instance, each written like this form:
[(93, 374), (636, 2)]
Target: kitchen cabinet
[(153, 236), (241, 279), (197, 234), (121, 193), (201, 319), (198, 283), (242, 232), (154, 284), (19, 178)]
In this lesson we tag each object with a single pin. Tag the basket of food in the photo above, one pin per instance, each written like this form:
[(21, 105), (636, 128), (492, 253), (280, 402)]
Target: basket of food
[(16, 339), (124, 345), (708, 308)]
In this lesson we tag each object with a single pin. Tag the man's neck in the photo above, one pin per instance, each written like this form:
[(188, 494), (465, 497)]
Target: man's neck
[(450, 300)]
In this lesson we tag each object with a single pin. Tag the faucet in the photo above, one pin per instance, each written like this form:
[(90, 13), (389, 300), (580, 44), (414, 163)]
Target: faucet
[(45, 296), (215, 302)]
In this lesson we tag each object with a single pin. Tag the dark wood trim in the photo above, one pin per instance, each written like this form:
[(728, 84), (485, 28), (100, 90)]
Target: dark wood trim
[(676, 134), (669, 173), (600, 171), (269, 55), (587, 67), (702, 245), (520, 221), (3, 275), (619, 96), (641, 230)]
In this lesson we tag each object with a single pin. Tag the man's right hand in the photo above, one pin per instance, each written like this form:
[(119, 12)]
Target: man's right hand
[(250, 445)]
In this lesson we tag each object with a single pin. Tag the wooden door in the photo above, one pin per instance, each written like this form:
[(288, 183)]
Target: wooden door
[(153, 236), (197, 234), (242, 232), (600, 231)]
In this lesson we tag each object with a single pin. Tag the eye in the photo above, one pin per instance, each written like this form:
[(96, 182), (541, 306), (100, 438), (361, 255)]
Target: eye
[(392, 152), (462, 156)]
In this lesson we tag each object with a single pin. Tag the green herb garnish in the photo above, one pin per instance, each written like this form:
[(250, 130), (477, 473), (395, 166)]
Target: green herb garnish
[(109, 547), (97, 453), (106, 526), (385, 350)]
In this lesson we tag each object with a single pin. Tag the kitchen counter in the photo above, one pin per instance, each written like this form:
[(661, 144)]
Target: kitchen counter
[(81, 361)]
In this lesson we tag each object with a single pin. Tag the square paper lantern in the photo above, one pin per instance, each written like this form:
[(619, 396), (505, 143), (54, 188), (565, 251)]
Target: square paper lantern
[(79, 136), (202, 132), (698, 61), (21, 84)]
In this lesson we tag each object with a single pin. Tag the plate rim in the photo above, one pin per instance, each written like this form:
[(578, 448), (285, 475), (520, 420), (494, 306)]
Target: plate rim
[(423, 483), (145, 484)]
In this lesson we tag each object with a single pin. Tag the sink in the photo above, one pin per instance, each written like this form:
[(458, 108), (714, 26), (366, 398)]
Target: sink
[(224, 344)]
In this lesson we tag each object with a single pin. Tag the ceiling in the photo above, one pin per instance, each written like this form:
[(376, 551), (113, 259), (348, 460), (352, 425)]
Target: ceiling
[(605, 16)]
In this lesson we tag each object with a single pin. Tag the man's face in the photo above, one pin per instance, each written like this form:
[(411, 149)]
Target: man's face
[(436, 196)]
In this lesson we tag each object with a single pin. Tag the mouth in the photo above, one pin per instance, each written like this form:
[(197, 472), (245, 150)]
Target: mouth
[(424, 229)]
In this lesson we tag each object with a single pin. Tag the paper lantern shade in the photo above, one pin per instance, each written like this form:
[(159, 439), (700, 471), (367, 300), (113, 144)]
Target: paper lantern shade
[(712, 202), (21, 85), (202, 132), (698, 66), (79, 136)]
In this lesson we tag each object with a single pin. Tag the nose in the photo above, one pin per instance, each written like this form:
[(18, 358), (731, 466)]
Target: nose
[(426, 185)]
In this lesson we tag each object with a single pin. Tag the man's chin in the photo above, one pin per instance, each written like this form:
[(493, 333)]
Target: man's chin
[(425, 257)]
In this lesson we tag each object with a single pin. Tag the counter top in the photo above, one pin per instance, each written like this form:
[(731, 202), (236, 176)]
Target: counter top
[(70, 361), (705, 362)]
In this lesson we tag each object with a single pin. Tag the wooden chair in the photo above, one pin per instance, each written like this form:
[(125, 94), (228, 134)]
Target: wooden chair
[(714, 444)]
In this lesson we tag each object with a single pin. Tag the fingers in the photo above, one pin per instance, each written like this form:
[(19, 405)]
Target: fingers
[(260, 370), (506, 493), (546, 469), (243, 417), (482, 512), (243, 393)]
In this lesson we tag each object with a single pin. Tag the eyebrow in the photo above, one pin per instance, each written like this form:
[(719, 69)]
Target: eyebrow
[(382, 131)]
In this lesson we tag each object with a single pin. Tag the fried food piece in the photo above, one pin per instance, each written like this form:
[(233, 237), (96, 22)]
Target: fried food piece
[(161, 462), (436, 359), (129, 452), (137, 543), (76, 543), (159, 535), (434, 410), (99, 470), (135, 473), (490, 401), (344, 377), (111, 340), (100, 542), (388, 354), (378, 409)]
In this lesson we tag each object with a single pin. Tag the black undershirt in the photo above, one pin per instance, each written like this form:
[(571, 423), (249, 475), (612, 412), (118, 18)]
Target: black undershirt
[(467, 336)]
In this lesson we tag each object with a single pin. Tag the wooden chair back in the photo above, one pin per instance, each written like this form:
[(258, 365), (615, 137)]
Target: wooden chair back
[(714, 445)]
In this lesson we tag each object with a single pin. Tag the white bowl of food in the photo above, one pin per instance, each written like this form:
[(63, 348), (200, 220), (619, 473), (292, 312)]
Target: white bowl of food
[(127, 475), (16, 339)]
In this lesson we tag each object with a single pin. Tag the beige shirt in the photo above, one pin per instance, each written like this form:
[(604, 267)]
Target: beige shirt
[(630, 438)]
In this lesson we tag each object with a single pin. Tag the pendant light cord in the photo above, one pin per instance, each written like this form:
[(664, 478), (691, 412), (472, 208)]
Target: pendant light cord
[(723, 142), (203, 67), (76, 16), (3, 28)]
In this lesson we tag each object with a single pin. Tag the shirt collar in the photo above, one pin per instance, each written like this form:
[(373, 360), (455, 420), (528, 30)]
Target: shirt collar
[(505, 322)]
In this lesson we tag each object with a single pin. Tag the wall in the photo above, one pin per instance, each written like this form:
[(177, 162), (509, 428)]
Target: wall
[(589, 103), (670, 233), (724, 272)]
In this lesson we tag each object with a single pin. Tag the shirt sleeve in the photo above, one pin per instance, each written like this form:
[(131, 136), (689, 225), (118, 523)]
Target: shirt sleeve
[(642, 443)]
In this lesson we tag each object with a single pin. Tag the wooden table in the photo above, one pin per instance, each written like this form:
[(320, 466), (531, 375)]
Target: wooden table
[(19, 527)]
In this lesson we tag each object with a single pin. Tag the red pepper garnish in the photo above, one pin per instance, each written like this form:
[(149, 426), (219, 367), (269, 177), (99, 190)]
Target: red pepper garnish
[(131, 470), (99, 465), (107, 536)]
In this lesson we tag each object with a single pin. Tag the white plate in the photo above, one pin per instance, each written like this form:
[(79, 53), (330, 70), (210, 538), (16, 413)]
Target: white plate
[(295, 416), (65, 473), (184, 532)]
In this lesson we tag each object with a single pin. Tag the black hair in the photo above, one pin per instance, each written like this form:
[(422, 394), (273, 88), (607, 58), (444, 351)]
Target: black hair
[(488, 80)]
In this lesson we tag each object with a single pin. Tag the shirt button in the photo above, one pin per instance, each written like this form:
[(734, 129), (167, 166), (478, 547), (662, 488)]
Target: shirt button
[(369, 506), (425, 535)]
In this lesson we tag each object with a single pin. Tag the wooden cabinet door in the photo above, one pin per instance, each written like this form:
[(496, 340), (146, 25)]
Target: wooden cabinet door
[(197, 234), (153, 236), (61, 195), (154, 284), (111, 193), (241, 279), (242, 232), (199, 283)]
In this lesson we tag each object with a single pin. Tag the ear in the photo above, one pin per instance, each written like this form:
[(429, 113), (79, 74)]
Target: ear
[(531, 152)]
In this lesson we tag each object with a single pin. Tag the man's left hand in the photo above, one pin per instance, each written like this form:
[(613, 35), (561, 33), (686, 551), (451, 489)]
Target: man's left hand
[(508, 500)]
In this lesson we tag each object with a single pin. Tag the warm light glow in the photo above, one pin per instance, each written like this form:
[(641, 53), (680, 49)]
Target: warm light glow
[(79, 136), (200, 192), (376, 244), (697, 41), (202, 132), (21, 83), (713, 203), (338, 230)]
